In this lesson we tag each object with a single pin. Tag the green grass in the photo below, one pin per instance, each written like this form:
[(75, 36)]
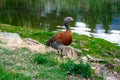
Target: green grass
[(96, 47), (6, 51), (46, 59), (51, 68), (5, 75), (117, 69), (81, 69)]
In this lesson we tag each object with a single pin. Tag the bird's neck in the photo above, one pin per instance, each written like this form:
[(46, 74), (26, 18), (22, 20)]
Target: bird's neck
[(67, 26)]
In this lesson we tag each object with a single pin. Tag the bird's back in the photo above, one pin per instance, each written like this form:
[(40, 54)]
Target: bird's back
[(64, 38)]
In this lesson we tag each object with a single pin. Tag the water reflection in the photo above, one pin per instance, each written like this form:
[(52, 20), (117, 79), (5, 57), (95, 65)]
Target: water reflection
[(115, 25), (99, 28), (81, 28), (99, 31)]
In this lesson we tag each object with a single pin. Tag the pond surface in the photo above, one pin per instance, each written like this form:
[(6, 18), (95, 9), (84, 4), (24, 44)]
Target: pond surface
[(99, 18)]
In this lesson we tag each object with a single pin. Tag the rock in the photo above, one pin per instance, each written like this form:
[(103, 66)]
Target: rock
[(105, 55), (110, 78), (90, 57), (13, 41), (95, 59), (84, 59), (10, 39), (29, 41), (35, 46), (78, 52), (117, 61), (96, 70), (102, 69), (86, 49), (71, 52)]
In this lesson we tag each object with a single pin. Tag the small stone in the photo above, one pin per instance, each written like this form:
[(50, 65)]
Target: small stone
[(78, 52), (84, 59), (106, 55), (96, 70), (110, 65), (117, 60), (86, 49)]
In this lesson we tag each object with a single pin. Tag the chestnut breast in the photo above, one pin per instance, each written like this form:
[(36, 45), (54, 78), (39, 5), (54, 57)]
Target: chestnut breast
[(65, 37)]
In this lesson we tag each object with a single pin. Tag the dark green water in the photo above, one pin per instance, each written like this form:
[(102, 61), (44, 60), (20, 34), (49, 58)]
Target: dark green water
[(48, 14)]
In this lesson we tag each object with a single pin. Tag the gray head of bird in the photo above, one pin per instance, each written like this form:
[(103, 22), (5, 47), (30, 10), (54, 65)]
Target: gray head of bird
[(68, 19)]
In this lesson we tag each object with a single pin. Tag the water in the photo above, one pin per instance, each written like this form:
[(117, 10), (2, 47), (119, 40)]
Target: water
[(113, 34), (99, 18)]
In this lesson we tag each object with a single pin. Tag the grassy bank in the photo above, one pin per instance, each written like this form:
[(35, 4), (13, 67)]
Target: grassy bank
[(88, 45), (46, 67)]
